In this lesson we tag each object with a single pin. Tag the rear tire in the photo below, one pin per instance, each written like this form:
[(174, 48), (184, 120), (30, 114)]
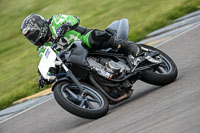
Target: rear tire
[(76, 109), (160, 79)]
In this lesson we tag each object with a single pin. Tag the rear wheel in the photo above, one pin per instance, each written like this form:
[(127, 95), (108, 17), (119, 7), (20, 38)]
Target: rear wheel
[(162, 74), (90, 104)]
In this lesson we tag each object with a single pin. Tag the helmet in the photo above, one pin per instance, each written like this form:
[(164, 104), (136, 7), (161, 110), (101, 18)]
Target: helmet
[(36, 29)]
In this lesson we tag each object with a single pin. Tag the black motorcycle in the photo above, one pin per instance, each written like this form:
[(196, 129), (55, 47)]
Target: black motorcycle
[(86, 82)]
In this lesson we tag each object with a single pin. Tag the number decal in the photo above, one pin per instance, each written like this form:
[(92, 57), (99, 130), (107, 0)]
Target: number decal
[(47, 53)]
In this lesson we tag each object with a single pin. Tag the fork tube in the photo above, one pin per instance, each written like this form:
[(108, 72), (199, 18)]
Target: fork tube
[(71, 75)]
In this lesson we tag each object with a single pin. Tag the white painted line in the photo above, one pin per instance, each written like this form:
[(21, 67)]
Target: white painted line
[(26, 110)]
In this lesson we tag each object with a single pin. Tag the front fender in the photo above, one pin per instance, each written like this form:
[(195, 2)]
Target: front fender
[(60, 80)]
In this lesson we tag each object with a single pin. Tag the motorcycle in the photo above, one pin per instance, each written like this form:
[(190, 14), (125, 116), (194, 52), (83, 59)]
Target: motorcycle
[(87, 82)]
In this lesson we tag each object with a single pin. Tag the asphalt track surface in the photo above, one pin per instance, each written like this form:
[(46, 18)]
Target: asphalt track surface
[(174, 108)]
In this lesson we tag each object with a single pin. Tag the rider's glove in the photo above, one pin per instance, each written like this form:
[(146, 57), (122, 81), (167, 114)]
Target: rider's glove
[(63, 29), (41, 81)]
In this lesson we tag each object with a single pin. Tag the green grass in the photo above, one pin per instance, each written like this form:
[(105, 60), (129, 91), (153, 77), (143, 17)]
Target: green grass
[(19, 59)]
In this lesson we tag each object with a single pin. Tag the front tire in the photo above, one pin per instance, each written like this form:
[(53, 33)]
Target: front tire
[(91, 104), (153, 76)]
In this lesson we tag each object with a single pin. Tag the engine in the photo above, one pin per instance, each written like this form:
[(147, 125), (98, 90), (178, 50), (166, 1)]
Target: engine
[(108, 68)]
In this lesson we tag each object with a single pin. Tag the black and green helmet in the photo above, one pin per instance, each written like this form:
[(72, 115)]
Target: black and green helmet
[(36, 29)]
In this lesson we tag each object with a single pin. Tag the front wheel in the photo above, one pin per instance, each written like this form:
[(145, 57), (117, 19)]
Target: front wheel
[(90, 104), (162, 74)]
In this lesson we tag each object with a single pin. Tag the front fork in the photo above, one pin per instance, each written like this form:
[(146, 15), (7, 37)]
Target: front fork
[(70, 74)]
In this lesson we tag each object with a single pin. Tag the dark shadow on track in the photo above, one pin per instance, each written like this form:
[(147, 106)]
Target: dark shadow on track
[(141, 94), (136, 96)]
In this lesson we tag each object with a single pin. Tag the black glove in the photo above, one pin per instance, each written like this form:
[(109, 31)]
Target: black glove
[(63, 29), (41, 81)]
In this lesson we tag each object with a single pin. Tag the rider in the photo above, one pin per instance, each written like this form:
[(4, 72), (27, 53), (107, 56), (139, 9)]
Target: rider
[(42, 33)]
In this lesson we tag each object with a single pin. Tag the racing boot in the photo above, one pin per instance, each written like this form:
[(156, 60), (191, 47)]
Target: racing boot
[(127, 47)]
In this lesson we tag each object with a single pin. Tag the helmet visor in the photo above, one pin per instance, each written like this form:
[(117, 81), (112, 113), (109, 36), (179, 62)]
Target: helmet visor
[(33, 36)]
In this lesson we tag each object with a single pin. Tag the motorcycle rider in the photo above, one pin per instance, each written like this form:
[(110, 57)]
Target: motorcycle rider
[(42, 33)]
